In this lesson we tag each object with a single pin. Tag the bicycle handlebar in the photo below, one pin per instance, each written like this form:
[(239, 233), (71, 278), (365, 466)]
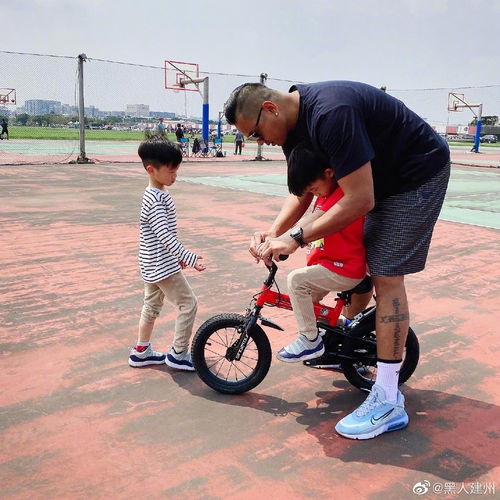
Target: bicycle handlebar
[(273, 268)]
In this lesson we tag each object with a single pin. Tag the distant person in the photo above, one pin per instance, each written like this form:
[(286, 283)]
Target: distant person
[(160, 128), (162, 258), (196, 146), (239, 139), (179, 133), (5, 129)]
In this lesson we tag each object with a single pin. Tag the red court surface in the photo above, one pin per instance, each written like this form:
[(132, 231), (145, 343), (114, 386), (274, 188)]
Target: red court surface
[(77, 422)]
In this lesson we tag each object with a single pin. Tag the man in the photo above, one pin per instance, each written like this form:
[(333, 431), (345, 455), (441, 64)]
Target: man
[(393, 168), (238, 142), (160, 127), (179, 132), (5, 129)]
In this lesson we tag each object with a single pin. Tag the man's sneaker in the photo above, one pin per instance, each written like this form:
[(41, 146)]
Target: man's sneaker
[(302, 349), (375, 416), (181, 360), (145, 358)]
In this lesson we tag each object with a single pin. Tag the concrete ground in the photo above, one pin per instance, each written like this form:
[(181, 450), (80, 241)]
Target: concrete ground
[(77, 422)]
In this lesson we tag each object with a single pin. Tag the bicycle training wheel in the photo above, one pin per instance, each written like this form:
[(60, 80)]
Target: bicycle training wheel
[(211, 355), (363, 376)]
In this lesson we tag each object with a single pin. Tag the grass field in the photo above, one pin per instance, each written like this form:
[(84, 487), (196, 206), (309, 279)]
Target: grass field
[(73, 134)]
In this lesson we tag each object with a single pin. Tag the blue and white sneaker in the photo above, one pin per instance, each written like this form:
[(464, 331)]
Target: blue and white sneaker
[(375, 416), (181, 360), (145, 358), (302, 349)]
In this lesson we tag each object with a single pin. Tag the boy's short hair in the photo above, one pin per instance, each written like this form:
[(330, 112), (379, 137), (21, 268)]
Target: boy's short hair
[(304, 167), (159, 151)]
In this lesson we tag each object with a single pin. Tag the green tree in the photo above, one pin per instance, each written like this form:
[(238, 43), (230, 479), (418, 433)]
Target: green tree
[(486, 120), (22, 119)]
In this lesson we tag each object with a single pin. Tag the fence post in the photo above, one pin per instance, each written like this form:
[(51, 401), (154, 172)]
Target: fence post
[(259, 157), (82, 158)]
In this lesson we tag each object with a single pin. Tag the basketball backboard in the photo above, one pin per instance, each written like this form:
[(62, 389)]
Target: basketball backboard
[(455, 101), (177, 71), (7, 96)]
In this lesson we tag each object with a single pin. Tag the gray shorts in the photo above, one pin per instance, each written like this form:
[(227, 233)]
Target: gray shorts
[(398, 230)]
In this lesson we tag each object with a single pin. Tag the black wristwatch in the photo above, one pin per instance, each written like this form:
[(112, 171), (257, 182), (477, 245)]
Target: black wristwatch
[(297, 234)]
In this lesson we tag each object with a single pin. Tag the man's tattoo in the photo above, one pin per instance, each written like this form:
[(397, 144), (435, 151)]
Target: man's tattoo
[(397, 317)]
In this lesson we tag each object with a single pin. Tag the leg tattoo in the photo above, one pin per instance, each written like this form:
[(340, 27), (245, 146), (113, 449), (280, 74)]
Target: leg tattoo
[(397, 317)]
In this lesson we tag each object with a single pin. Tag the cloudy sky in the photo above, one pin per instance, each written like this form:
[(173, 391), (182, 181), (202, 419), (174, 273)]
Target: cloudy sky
[(402, 44)]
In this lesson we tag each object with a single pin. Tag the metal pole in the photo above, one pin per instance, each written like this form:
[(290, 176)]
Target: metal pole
[(478, 129), (204, 126), (205, 110), (81, 110), (219, 125), (82, 158), (259, 157)]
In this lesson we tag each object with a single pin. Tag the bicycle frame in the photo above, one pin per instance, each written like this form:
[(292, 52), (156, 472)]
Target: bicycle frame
[(324, 314)]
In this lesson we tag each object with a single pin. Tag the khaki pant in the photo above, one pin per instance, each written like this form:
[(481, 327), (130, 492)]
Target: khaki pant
[(311, 284), (177, 291)]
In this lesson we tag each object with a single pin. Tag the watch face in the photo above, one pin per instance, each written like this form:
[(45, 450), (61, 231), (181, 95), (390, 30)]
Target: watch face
[(297, 232)]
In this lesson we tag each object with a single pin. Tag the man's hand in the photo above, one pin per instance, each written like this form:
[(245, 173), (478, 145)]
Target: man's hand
[(272, 248), (199, 266), (257, 239)]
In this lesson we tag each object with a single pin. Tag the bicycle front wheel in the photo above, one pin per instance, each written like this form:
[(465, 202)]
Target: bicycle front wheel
[(210, 352)]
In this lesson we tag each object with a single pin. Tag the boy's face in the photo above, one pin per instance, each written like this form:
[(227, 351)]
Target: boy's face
[(164, 175), (323, 186)]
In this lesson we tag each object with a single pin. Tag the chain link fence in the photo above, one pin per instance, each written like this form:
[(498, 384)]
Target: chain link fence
[(124, 100)]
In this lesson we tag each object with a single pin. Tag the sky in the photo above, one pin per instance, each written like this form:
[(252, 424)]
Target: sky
[(404, 45)]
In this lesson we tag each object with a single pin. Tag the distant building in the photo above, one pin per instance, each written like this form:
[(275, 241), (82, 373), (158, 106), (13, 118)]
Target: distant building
[(4, 111), (69, 110), (42, 107), (138, 110), (162, 114)]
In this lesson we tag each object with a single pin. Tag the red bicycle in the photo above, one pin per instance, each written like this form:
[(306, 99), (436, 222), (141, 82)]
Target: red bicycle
[(232, 354)]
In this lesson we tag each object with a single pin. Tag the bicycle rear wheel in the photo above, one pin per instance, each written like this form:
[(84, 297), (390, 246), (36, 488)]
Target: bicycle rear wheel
[(363, 376), (211, 349)]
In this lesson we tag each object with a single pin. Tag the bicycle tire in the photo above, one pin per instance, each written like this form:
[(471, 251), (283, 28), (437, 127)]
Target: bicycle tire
[(205, 361), (354, 374)]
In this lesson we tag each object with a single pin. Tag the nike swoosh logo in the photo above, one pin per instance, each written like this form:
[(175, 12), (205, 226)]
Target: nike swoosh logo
[(374, 420)]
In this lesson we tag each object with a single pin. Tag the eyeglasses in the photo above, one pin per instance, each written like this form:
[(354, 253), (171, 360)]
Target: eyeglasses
[(254, 136)]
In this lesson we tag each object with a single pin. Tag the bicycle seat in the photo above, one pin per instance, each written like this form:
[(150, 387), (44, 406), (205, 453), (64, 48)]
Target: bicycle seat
[(364, 287)]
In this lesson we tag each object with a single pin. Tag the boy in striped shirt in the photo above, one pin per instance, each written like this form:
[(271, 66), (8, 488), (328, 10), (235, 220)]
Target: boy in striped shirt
[(162, 258)]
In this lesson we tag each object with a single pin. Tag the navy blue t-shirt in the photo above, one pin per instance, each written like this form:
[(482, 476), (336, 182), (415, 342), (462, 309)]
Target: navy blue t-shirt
[(349, 124)]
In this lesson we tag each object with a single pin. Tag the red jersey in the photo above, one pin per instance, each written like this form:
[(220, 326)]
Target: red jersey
[(342, 252)]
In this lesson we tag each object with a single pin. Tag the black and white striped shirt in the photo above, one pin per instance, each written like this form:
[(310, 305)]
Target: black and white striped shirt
[(160, 251)]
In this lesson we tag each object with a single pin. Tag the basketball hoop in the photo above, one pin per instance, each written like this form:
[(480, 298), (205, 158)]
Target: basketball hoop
[(7, 96), (455, 102), (176, 71)]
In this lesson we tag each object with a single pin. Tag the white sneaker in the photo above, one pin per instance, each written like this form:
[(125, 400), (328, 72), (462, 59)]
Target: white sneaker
[(181, 360), (302, 349), (375, 416), (145, 358)]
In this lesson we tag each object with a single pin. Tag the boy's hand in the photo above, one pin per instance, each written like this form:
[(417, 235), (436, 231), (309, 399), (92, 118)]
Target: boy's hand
[(199, 266), (257, 238), (182, 264), (272, 248)]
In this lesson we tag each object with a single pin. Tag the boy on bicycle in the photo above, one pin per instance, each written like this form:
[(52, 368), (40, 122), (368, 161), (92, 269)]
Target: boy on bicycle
[(336, 262), (162, 258)]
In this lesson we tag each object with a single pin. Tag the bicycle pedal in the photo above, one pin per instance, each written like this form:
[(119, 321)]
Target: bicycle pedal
[(322, 364)]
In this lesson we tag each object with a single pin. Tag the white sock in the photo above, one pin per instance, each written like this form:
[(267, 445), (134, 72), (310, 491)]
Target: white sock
[(387, 378), (143, 344)]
